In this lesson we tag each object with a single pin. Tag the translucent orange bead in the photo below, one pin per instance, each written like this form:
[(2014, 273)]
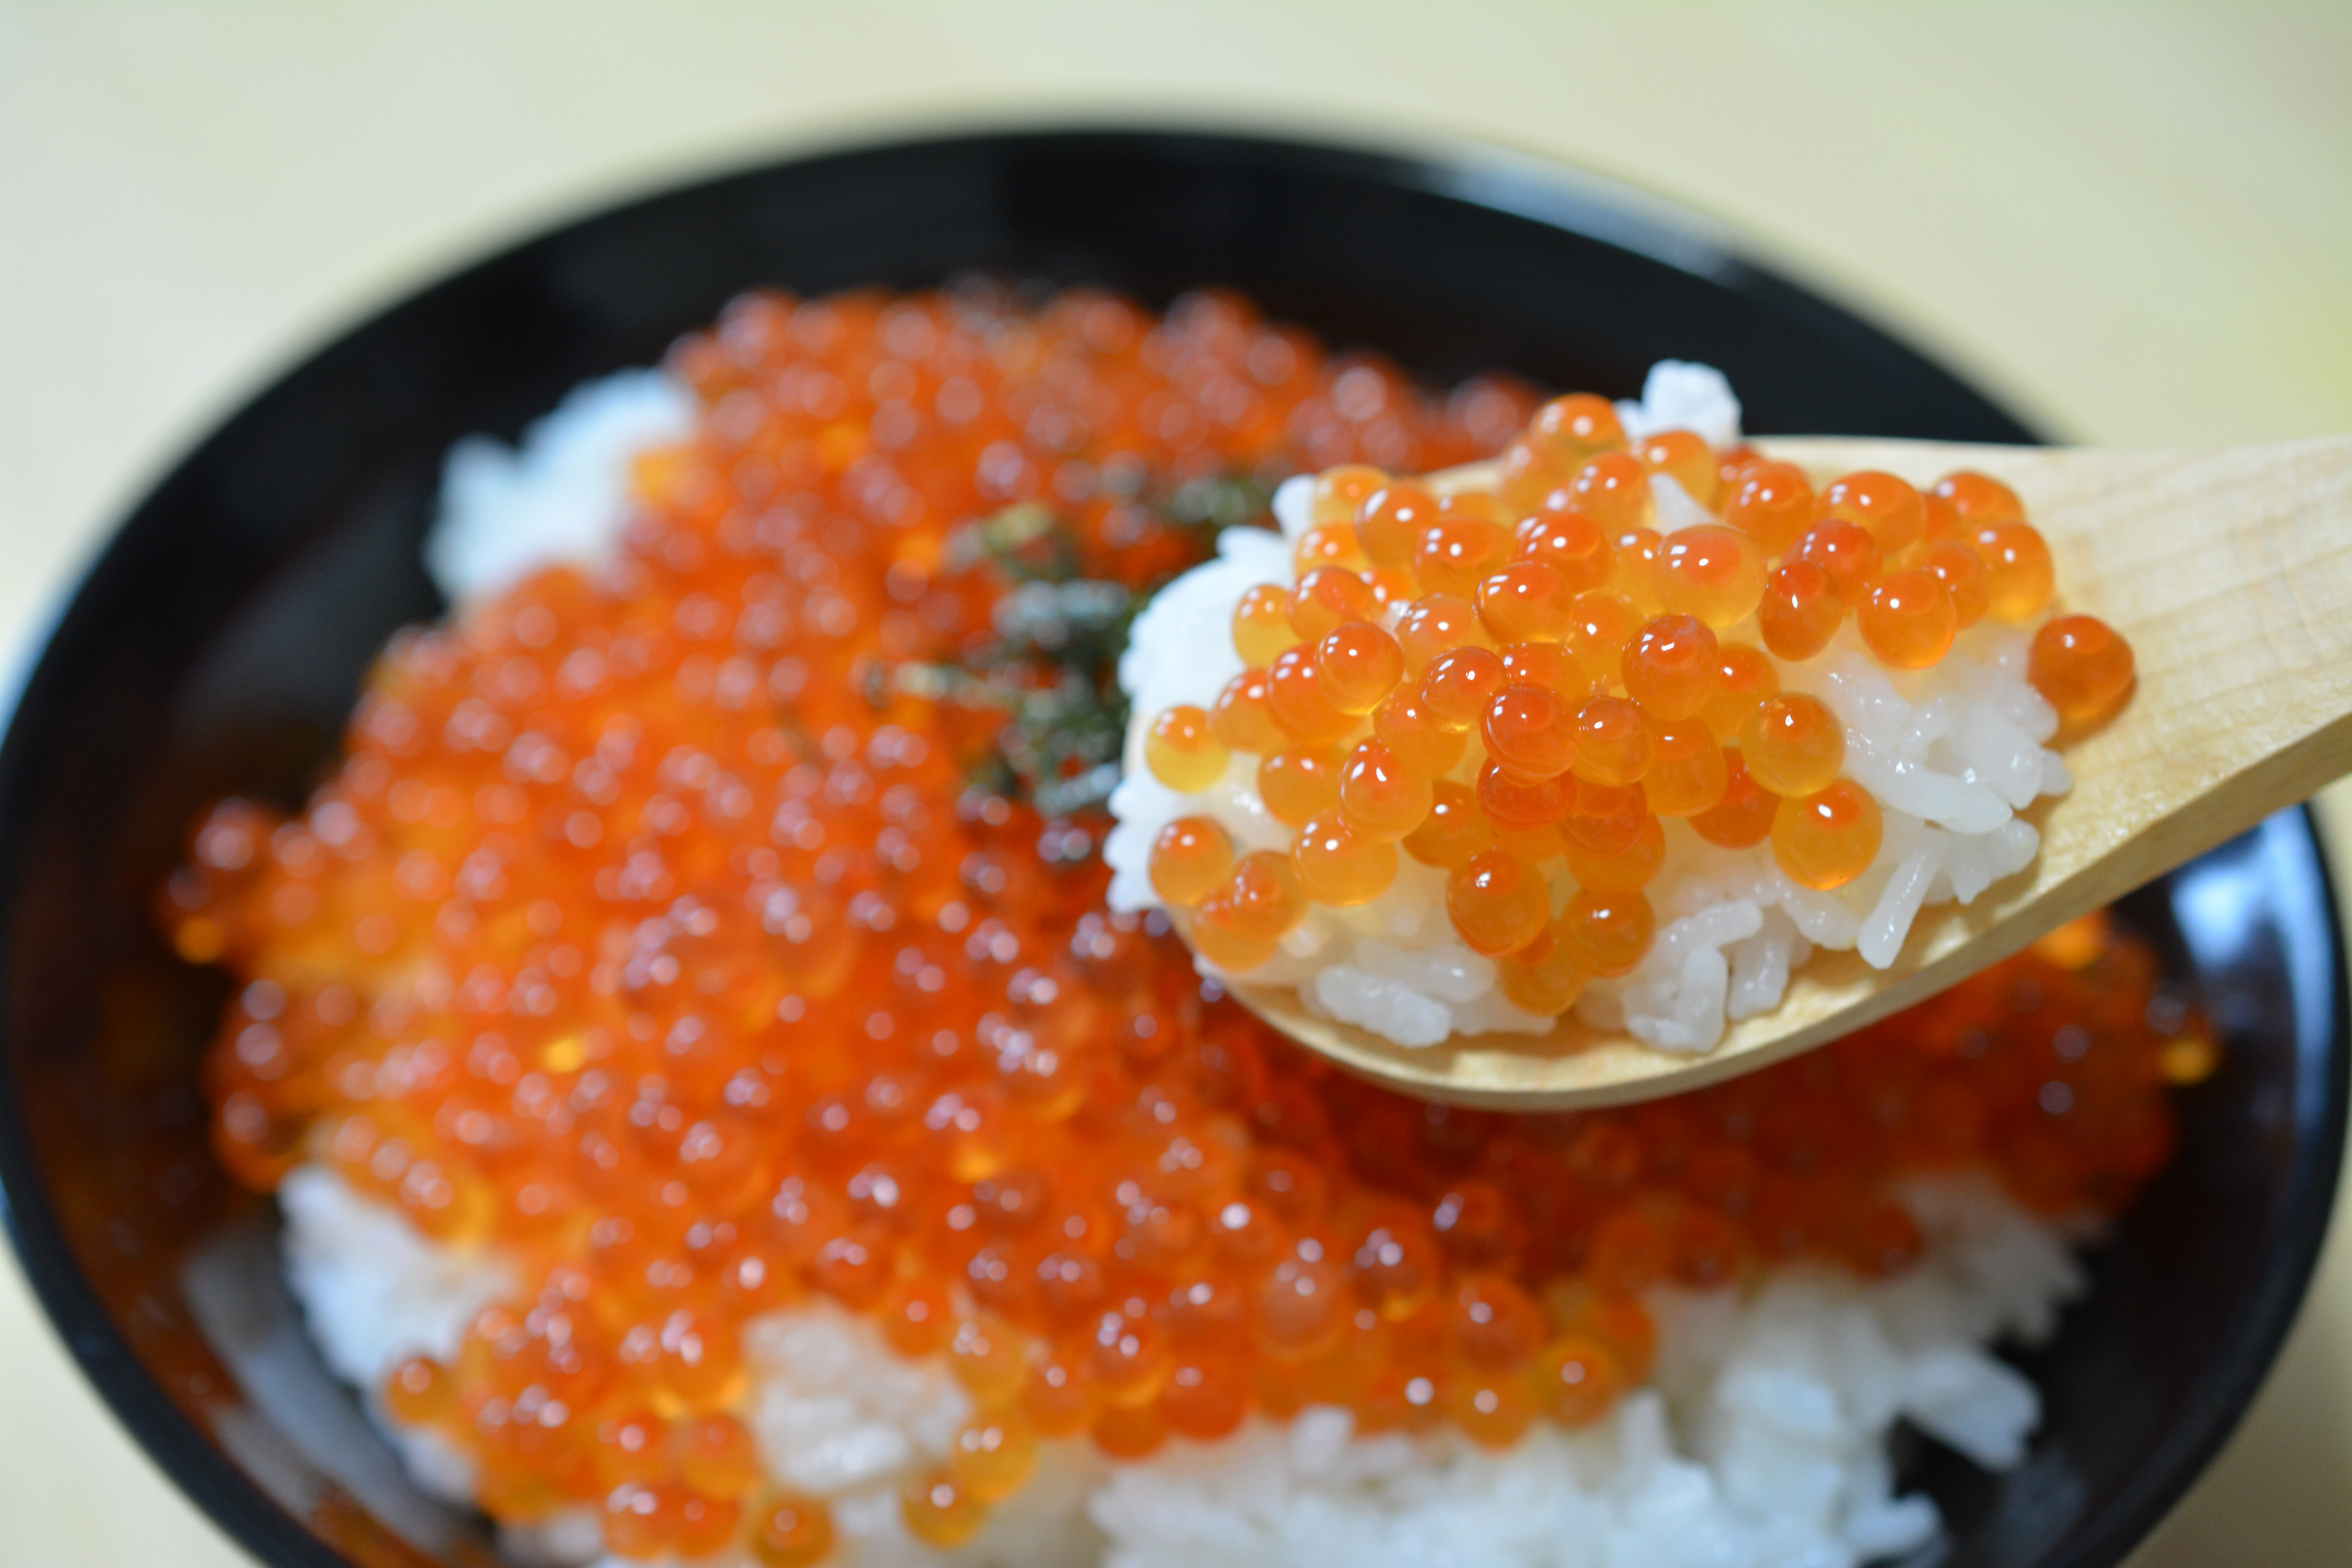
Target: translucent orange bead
[(1525, 474), (1454, 830), (1688, 775), (716, 1454), (1743, 817), (1607, 931), (1685, 456), (1299, 1308), (1907, 620), (1622, 870), (1381, 799), (632, 1447), (939, 1511), (1294, 695), (1846, 550), (1060, 1398), (420, 1391), (643, 1522), (2019, 576), (1514, 802), (1792, 745), (1207, 1398), (1827, 840), (1435, 624), (1886, 506), (916, 1316), (1242, 717), (1577, 1379), (1460, 684), (1261, 623), (1604, 819), (1414, 736), (1327, 546), (1612, 488), (1497, 903), (1492, 1410), (1710, 571), (1129, 1432), (1189, 857), (1337, 865), (1340, 493), (1744, 678), (1389, 523), (1359, 665), (1476, 505), (790, 1529), (1328, 596), (1615, 741), (1598, 625), (1524, 602), (1267, 901), (1573, 545), (994, 1456), (1545, 664), (1543, 977), (2080, 667), (1182, 752), (1299, 782), (1218, 937), (1972, 502), (1635, 580), (1962, 573), (1671, 667), (1774, 504), (1801, 611), (1454, 552), (1531, 731), (1570, 430)]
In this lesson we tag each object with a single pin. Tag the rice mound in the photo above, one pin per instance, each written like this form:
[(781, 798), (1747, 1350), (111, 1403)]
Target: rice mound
[(1952, 753)]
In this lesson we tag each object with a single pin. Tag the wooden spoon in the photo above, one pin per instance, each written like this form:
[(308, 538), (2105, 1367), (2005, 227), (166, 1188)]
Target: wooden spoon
[(2231, 574)]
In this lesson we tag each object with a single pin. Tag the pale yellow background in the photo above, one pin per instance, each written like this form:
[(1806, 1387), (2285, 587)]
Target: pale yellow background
[(2135, 221)]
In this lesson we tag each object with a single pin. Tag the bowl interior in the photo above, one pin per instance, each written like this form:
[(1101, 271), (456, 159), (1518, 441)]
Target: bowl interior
[(220, 643)]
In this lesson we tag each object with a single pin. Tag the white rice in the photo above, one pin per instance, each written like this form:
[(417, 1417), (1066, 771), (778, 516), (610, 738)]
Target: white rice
[(1952, 754)]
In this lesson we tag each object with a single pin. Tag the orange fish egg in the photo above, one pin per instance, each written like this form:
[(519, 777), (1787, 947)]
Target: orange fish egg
[(2018, 571), (1635, 579), (1327, 546), (1299, 782), (1243, 718), (1801, 612), (1542, 978), (1743, 816), (1380, 797), (1774, 505), (1497, 903), (1612, 488), (1190, 856), (1710, 571), (1341, 492), (1545, 664), (1338, 866), (1962, 573), (1454, 553), (1889, 508), (1515, 802), (1358, 665), (1826, 839), (1526, 601), (1531, 731), (1454, 830), (1414, 736), (1435, 624), (1615, 741), (1327, 597), (1971, 501), (1792, 745), (1846, 550), (1391, 522), (1262, 628), (1606, 933), (1623, 869), (1685, 457), (1570, 543), (1603, 819), (1182, 752), (1569, 430), (1295, 696), (790, 1529), (1688, 775), (2081, 666), (1460, 684), (1671, 666), (1265, 898), (1744, 677), (1598, 625), (1907, 620)]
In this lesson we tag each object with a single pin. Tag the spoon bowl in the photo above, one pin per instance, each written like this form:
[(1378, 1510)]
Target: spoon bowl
[(2229, 571)]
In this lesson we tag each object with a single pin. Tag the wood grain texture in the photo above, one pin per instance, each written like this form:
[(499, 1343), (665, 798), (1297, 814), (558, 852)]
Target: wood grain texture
[(2229, 571)]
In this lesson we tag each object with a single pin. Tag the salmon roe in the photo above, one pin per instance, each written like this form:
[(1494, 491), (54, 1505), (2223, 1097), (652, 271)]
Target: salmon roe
[(653, 933)]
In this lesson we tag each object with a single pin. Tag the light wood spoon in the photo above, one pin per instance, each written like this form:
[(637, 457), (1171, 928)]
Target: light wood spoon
[(2231, 574)]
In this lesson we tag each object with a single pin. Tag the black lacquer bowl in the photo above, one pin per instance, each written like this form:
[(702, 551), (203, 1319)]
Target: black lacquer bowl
[(219, 644)]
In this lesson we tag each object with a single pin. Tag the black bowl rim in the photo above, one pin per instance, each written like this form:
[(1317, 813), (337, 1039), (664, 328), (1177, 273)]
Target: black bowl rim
[(1478, 173)]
